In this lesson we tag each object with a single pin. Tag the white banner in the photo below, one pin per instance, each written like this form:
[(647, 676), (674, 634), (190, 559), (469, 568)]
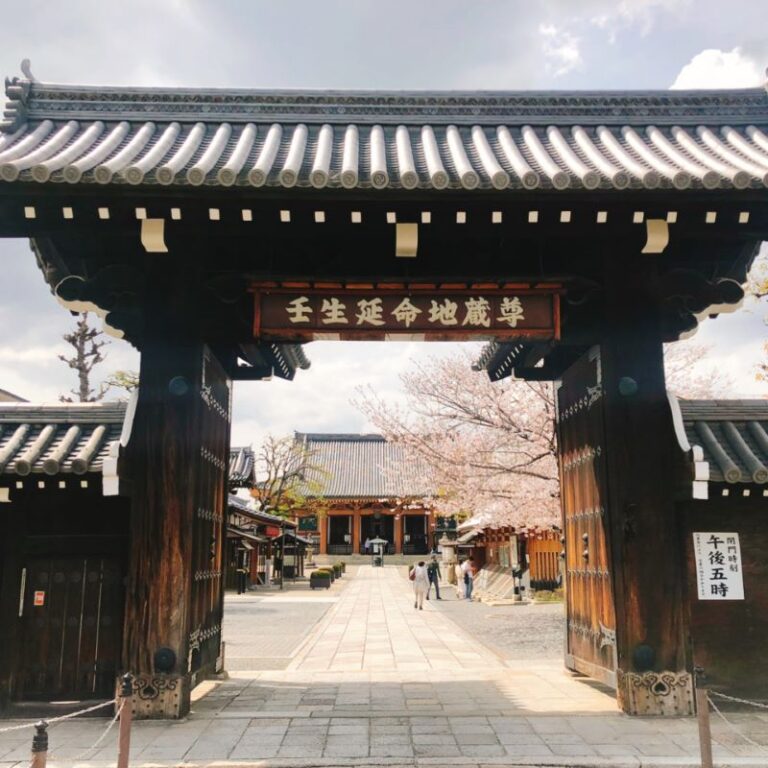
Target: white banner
[(718, 566)]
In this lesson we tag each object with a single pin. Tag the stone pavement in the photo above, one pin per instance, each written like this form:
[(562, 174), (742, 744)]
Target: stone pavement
[(378, 683), (264, 629)]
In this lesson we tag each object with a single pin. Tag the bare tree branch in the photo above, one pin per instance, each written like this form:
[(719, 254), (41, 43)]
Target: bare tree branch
[(87, 345)]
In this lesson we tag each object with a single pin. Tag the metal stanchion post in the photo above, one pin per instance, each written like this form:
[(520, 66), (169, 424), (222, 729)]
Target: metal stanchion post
[(126, 717), (702, 715), (40, 745)]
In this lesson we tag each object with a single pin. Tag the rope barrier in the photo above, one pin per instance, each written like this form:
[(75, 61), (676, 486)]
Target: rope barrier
[(732, 727), (61, 717), (97, 742), (739, 701)]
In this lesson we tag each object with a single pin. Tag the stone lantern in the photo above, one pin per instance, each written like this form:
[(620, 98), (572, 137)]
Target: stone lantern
[(449, 548)]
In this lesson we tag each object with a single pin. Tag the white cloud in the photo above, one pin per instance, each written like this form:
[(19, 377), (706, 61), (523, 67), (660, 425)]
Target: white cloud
[(635, 13), (561, 48), (713, 68)]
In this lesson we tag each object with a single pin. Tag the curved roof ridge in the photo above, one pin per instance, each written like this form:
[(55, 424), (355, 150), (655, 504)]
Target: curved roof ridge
[(31, 99), (342, 436)]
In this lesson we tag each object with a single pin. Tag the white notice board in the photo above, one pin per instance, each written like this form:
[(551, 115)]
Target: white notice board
[(718, 566)]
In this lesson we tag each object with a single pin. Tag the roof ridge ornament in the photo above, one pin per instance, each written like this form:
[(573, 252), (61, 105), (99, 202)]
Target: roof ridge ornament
[(26, 70)]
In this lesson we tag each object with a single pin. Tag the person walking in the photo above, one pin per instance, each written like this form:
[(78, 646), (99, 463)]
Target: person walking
[(468, 569), (459, 574), (420, 584), (434, 575), (367, 545)]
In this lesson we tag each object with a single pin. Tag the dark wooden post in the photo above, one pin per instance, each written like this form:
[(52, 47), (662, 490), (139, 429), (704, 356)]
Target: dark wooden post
[(126, 718), (165, 457), (702, 716), (40, 745), (652, 669), (178, 455)]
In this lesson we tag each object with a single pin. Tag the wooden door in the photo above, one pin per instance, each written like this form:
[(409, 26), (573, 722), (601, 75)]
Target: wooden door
[(70, 619), (591, 630), (210, 503)]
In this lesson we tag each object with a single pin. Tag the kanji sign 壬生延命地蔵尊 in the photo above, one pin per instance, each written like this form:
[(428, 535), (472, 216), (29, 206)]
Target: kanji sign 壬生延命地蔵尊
[(287, 315)]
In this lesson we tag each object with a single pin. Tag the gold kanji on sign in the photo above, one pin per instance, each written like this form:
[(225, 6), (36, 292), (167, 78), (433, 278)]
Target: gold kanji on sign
[(511, 311), (299, 310), (477, 312), (406, 312), (444, 313), (332, 311), (370, 312)]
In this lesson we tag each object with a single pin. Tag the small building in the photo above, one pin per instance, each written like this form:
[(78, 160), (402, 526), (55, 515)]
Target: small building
[(723, 522), (532, 553), (369, 488), (64, 548), (256, 545)]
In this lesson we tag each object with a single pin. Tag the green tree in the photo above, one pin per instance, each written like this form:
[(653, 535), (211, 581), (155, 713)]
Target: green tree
[(127, 380)]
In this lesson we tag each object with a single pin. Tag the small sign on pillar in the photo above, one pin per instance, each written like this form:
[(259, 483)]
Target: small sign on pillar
[(718, 566), (39, 598)]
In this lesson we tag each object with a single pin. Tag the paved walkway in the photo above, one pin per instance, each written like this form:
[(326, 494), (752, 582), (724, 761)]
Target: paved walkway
[(265, 629), (378, 683)]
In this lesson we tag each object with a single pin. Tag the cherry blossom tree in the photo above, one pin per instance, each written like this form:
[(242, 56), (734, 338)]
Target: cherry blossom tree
[(491, 447), (757, 286), (689, 375)]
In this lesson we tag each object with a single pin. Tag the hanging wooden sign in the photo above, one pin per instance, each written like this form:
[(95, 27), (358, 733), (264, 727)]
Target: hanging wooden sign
[(287, 314)]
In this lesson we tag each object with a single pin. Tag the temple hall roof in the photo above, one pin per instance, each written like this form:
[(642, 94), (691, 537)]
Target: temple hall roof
[(362, 466), (241, 467), (520, 141), (53, 439)]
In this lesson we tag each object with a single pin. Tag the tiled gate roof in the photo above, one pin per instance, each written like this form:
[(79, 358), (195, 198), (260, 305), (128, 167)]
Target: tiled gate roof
[(406, 140)]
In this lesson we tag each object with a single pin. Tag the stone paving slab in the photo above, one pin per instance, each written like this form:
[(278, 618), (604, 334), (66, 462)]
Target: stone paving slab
[(376, 683)]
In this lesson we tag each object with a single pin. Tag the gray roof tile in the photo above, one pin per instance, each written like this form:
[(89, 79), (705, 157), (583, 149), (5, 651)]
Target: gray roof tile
[(52, 439), (733, 435), (241, 467), (362, 466), (437, 140)]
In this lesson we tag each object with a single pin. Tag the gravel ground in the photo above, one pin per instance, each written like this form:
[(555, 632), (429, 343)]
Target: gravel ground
[(515, 632)]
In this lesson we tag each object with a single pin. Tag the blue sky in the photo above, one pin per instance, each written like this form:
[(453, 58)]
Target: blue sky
[(550, 44)]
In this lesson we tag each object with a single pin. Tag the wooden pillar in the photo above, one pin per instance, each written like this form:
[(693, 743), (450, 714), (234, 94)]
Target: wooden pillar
[(178, 453), (398, 527), (653, 673), (356, 531), (323, 528)]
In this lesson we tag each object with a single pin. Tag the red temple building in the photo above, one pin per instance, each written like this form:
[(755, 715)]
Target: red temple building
[(368, 488)]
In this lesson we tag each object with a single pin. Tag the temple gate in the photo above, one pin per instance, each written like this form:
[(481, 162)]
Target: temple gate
[(218, 231)]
